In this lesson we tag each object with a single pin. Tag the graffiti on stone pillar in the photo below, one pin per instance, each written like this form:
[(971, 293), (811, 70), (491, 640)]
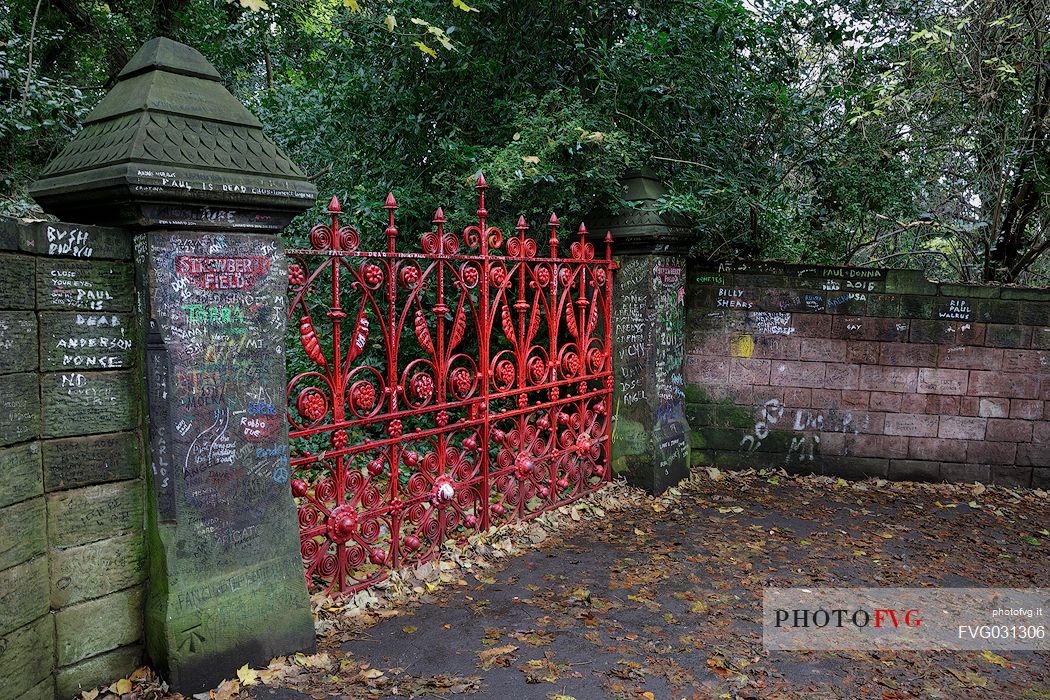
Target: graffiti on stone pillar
[(218, 302)]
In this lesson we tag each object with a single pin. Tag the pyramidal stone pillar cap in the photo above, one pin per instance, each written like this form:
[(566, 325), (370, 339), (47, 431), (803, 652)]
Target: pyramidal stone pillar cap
[(642, 228), (170, 147)]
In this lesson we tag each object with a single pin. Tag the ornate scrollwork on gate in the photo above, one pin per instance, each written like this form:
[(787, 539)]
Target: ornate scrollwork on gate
[(441, 392)]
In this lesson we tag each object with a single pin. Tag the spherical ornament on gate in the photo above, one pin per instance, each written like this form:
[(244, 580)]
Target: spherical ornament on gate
[(444, 491), (311, 404), (505, 372), (363, 396), (409, 275), (296, 276), (461, 380), (342, 523), (422, 386), (470, 276), (570, 364), (537, 370), (373, 274)]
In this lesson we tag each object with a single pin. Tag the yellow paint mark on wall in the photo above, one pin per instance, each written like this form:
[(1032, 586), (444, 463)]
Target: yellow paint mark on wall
[(742, 345)]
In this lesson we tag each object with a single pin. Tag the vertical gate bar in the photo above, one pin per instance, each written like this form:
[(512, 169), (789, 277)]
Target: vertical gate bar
[(582, 342), (335, 316), (439, 349), (553, 324), (607, 365), (393, 456), (483, 351), (521, 305)]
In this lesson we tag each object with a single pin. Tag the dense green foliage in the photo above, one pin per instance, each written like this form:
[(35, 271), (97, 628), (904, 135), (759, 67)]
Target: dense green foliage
[(893, 132)]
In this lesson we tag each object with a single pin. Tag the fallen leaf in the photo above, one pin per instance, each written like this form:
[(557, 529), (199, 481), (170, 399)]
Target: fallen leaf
[(491, 657), (968, 678), (227, 690), (89, 694), (535, 160), (408, 629), (321, 661), (247, 676), (121, 687), (390, 22), (995, 659)]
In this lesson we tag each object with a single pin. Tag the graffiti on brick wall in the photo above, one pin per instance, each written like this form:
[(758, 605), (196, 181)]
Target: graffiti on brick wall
[(806, 424)]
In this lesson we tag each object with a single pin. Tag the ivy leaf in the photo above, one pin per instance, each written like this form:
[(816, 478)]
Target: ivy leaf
[(459, 4), (390, 23), (426, 49), (353, 5)]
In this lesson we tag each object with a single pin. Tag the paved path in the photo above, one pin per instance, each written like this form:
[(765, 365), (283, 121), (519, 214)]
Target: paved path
[(669, 603)]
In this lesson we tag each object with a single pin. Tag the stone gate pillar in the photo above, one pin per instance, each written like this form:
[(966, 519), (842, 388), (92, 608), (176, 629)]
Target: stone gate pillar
[(170, 154), (650, 432)]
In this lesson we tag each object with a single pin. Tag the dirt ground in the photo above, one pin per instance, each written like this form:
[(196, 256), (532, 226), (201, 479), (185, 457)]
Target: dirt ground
[(662, 600), (669, 603)]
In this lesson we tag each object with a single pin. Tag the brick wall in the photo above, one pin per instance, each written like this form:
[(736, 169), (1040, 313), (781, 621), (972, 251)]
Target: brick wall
[(72, 556), (863, 372)]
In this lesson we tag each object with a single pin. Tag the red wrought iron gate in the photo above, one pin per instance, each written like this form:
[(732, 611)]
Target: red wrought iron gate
[(445, 391)]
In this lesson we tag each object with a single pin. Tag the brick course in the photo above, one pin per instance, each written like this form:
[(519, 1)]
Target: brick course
[(910, 379)]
